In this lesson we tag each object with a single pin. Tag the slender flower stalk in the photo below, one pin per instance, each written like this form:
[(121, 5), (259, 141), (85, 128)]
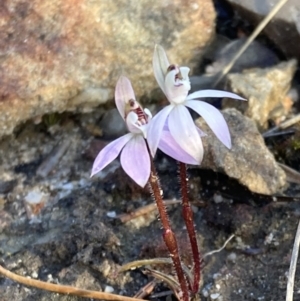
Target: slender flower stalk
[(168, 235), (189, 222)]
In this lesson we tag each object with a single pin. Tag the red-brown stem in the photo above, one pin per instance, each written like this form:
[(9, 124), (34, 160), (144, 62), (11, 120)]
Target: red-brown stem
[(189, 222), (168, 234)]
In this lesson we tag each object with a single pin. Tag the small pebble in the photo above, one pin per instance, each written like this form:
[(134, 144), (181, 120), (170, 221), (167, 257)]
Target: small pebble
[(108, 289), (214, 296), (205, 293), (34, 202), (232, 257), (7, 186), (269, 238), (34, 275), (216, 276), (67, 186), (111, 214), (218, 198)]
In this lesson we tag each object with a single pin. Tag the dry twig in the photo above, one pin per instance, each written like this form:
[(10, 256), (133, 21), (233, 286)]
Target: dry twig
[(220, 249), (282, 126), (255, 33), (64, 289)]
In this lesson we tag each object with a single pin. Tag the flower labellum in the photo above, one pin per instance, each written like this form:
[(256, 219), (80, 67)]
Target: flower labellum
[(175, 83)]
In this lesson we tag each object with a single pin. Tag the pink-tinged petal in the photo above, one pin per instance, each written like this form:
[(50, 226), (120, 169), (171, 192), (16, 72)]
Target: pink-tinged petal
[(169, 146), (185, 133), (160, 65), (213, 93), (123, 93), (213, 118), (155, 128), (176, 91), (109, 153), (135, 160)]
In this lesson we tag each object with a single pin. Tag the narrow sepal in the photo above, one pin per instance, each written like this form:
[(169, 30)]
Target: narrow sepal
[(109, 153), (123, 93), (214, 118)]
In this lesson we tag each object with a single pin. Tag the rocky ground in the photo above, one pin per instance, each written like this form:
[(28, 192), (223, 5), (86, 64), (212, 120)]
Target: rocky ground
[(64, 227)]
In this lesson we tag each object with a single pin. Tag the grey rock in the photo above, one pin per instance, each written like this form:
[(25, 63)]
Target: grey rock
[(283, 30), (249, 161), (7, 186), (221, 52), (256, 55), (113, 124), (265, 90)]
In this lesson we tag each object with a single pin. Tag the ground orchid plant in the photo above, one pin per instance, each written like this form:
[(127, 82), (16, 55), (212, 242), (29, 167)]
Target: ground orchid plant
[(174, 132)]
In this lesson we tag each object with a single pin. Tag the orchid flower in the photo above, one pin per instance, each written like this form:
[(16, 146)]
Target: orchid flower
[(175, 84), (135, 158)]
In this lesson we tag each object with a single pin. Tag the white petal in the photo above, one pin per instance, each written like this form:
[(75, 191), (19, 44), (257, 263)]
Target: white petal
[(123, 93), (109, 153), (135, 160), (185, 133), (155, 128), (213, 118), (213, 93), (160, 66)]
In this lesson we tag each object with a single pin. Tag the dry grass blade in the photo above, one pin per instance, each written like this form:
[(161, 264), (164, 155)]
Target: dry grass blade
[(64, 289), (126, 217), (220, 249), (292, 175), (255, 33), (146, 290), (141, 263), (169, 280), (282, 126), (293, 265), (155, 261), (53, 159)]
